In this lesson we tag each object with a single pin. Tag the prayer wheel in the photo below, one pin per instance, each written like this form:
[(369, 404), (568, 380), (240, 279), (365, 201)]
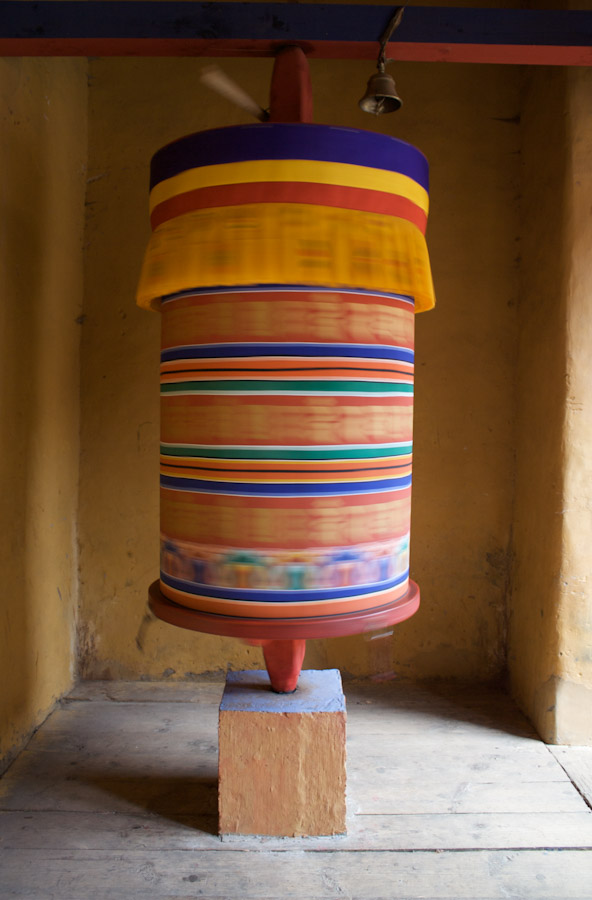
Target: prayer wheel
[(288, 261)]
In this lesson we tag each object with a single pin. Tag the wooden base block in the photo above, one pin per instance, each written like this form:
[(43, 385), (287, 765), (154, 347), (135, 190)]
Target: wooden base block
[(282, 756)]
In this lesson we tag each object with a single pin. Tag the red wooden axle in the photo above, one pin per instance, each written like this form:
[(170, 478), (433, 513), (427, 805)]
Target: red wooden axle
[(290, 100)]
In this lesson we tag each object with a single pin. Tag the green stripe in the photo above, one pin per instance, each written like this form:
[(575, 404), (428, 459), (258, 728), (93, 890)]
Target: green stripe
[(262, 453), (337, 387)]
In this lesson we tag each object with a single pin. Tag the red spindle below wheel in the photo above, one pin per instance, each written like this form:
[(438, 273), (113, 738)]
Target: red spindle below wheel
[(283, 661)]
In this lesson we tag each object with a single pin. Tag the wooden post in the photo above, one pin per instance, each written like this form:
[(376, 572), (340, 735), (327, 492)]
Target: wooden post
[(282, 756)]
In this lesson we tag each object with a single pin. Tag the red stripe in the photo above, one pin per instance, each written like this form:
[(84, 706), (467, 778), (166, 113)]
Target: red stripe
[(238, 296), (218, 501), (204, 400), (505, 54), (516, 54), (289, 192)]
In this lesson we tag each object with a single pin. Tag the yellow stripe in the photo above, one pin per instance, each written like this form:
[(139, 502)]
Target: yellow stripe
[(289, 478), (286, 243), (344, 174), (298, 464)]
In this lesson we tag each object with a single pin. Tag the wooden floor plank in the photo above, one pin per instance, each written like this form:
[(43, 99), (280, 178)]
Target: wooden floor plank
[(370, 795), (86, 875), (193, 790), (50, 831), (104, 717), (201, 692), (469, 831), (130, 743), (390, 715), (403, 723), (429, 763), (47, 831), (577, 763)]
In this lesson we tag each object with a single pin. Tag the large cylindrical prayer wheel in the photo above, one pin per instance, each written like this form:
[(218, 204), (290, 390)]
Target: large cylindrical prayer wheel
[(287, 261)]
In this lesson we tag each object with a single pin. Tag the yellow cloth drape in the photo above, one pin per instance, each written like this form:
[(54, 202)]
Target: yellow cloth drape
[(276, 243)]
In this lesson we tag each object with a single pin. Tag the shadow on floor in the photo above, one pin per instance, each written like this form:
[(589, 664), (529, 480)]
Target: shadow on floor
[(191, 801), (439, 701)]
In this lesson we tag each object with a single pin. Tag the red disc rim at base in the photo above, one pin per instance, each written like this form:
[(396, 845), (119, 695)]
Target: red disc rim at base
[(283, 629)]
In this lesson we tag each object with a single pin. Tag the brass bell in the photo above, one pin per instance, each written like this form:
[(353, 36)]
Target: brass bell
[(381, 94)]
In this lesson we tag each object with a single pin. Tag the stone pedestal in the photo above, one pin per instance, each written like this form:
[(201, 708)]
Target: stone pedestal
[(282, 756)]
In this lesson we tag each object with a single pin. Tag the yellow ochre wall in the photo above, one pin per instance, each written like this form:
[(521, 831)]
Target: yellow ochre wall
[(42, 161), (465, 118), (550, 629)]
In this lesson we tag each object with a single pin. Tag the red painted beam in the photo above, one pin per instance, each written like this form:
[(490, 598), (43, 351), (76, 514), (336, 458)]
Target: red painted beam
[(507, 54)]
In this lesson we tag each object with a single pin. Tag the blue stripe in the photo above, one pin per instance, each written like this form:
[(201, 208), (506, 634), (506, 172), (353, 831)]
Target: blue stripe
[(283, 288), (326, 143), (196, 485), (260, 596), (288, 23), (239, 351)]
